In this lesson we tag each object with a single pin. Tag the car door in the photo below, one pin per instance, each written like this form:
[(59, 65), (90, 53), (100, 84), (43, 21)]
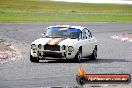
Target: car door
[(85, 46), (88, 44), (91, 44), (92, 41)]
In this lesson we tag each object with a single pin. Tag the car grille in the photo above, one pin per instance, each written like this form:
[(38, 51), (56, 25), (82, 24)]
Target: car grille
[(53, 54), (52, 47)]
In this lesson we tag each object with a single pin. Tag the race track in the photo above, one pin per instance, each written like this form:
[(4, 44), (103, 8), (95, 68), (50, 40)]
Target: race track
[(113, 56)]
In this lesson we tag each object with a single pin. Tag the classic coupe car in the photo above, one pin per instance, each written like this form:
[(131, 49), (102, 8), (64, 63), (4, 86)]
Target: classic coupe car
[(64, 42)]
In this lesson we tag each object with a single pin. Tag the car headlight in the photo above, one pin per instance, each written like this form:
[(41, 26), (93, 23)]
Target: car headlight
[(63, 47), (40, 46), (33, 46), (70, 48)]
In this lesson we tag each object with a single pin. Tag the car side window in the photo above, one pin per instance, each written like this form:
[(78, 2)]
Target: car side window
[(88, 34), (84, 34)]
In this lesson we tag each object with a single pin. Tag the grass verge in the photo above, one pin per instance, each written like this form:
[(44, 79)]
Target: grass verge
[(49, 11)]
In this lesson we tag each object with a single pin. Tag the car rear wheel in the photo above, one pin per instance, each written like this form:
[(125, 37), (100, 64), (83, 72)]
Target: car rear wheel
[(94, 54), (78, 56), (33, 59)]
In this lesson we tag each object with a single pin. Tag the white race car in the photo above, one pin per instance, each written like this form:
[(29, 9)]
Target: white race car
[(64, 42)]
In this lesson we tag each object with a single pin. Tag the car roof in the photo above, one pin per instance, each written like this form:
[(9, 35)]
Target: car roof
[(66, 26)]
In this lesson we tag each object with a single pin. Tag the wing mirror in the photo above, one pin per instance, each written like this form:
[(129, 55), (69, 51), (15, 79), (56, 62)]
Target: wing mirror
[(42, 34)]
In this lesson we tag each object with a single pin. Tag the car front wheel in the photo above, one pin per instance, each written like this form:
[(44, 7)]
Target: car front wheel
[(94, 54), (33, 59), (78, 56)]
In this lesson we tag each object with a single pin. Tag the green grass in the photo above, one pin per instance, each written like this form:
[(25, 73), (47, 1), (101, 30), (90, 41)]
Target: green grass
[(48, 11)]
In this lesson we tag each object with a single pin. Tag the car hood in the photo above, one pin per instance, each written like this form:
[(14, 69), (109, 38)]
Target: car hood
[(68, 42), (57, 41), (42, 41)]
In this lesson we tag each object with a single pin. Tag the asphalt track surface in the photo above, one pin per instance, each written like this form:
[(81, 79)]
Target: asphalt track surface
[(113, 56)]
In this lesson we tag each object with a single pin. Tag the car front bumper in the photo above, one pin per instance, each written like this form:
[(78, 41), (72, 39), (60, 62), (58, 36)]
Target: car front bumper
[(53, 54)]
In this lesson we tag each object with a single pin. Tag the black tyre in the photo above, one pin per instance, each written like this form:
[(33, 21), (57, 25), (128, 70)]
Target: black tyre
[(94, 54), (33, 59), (78, 56)]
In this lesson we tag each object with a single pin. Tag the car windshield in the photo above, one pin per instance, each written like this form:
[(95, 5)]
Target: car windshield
[(63, 32)]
